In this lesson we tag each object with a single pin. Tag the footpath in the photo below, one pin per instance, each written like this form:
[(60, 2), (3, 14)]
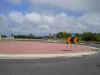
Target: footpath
[(37, 50)]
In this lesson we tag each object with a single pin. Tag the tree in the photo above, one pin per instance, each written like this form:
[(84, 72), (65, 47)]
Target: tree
[(60, 35), (3, 36), (88, 36)]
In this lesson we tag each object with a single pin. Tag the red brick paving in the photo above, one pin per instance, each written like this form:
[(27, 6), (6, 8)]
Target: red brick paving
[(27, 47)]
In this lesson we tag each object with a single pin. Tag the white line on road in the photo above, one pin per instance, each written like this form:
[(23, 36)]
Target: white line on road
[(38, 56)]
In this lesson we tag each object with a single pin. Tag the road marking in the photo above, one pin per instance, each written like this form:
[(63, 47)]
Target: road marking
[(39, 56), (93, 44), (82, 43), (95, 48)]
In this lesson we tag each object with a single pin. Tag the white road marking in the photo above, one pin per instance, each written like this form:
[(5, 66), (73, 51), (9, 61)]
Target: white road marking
[(38, 56)]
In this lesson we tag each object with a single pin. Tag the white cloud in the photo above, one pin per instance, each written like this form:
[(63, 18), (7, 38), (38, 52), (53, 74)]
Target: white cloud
[(73, 5), (16, 17), (3, 24), (45, 23), (48, 19), (34, 22), (44, 27), (91, 19), (2, 20), (33, 17)]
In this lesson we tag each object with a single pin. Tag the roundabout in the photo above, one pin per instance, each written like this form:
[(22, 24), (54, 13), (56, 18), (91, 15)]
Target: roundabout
[(29, 49)]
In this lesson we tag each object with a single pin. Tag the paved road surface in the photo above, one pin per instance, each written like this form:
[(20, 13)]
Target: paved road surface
[(86, 65), (93, 45)]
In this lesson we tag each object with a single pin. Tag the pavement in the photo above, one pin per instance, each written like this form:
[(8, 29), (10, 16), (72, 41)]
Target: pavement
[(34, 50), (85, 65)]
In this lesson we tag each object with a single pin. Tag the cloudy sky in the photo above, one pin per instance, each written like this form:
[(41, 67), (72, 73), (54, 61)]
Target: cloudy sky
[(41, 17)]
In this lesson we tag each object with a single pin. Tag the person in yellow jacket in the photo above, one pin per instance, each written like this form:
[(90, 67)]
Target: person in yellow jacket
[(69, 40), (75, 41)]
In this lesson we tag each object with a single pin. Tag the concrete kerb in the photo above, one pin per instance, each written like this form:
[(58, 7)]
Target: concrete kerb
[(39, 56)]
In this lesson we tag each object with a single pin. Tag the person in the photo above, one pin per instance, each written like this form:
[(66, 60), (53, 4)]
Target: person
[(75, 41), (68, 41)]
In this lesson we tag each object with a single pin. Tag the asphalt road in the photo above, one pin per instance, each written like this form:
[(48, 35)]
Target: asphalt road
[(91, 44), (85, 65)]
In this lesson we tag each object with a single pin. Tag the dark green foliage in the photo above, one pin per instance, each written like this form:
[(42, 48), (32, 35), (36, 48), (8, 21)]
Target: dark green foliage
[(63, 35), (30, 36), (3, 36), (86, 36)]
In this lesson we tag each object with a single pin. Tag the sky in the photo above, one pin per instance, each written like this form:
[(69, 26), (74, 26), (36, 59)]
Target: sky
[(42, 17)]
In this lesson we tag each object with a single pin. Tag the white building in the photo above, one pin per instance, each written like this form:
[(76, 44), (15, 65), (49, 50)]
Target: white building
[(0, 36)]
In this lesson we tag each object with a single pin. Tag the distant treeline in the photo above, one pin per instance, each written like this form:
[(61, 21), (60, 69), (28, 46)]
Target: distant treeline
[(27, 37), (86, 36), (30, 36)]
